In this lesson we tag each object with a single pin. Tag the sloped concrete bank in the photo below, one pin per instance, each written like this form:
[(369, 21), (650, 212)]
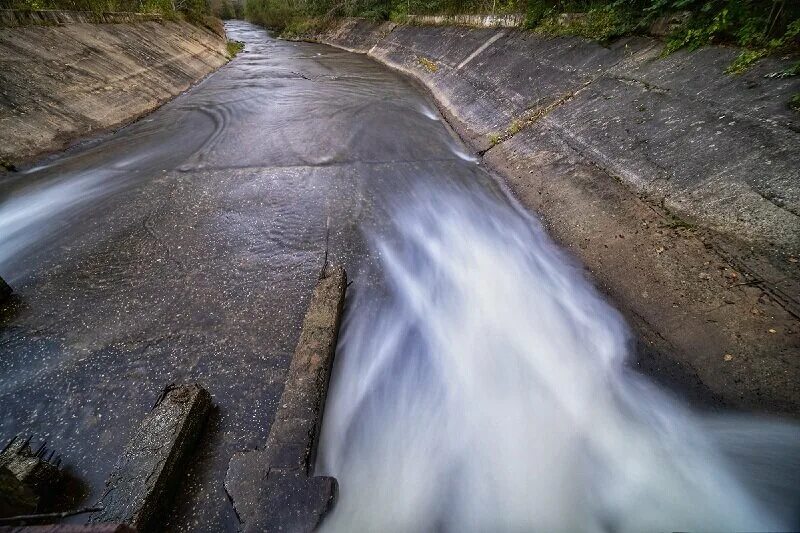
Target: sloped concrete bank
[(676, 185), (63, 76)]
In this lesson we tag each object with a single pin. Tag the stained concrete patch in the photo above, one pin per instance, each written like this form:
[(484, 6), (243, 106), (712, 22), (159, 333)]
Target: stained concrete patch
[(270, 488), (689, 306)]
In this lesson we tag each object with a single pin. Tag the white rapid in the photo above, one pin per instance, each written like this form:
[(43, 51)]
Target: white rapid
[(484, 388)]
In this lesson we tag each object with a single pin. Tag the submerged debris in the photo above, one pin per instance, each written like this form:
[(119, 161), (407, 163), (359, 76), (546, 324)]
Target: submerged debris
[(155, 459), (35, 468)]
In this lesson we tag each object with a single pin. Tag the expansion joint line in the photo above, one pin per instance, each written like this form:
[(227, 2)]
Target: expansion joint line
[(481, 48), (533, 115)]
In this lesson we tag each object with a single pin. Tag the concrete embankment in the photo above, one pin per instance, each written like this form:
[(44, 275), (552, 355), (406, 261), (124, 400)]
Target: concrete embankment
[(64, 75), (676, 184)]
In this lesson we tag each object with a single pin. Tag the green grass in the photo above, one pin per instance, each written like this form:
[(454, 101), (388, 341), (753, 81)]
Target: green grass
[(429, 65), (741, 24), (745, 60), (794, 102), (167, 8), (300, 28), (601, 23), (234, 47), (760, 27)]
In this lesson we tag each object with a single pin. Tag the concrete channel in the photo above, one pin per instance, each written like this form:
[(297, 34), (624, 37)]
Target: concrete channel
[(186, 248)]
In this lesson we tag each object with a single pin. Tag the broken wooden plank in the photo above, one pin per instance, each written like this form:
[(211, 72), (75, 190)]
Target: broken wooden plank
[(38, 469), (270, 488), (16, 498), (154, 461)]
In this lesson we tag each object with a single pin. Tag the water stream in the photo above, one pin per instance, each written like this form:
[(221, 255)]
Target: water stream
[(480, 384), (484, 388)]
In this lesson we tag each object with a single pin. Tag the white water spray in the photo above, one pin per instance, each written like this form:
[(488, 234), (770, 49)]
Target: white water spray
[(484, 389), (428, 112), (36, 211)]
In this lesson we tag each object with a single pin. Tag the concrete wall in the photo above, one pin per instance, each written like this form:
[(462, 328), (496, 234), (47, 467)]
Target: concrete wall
[(478, 21), (62, 80), (676, 128), (676, 184)]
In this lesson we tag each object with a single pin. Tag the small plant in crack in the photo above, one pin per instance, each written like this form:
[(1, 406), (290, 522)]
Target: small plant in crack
[(429, 65)]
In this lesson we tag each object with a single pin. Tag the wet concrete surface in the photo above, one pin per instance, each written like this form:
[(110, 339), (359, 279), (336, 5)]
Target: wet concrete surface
[(184, 248)]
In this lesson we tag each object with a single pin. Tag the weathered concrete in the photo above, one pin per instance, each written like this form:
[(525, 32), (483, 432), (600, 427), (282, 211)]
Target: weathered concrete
[(271, 488), (640, 116), (510, 20), (61, 82), (676, 184), (155, 460)]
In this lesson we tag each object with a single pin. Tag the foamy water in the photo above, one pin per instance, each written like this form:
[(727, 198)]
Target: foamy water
[(32, 213), (484, 389), (429, 113)]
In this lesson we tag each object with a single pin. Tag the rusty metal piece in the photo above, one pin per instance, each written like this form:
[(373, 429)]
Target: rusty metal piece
[(15, 497), (69, 528)]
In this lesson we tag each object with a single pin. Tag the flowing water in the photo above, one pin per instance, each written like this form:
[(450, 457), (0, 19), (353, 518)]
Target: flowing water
[(485, 389), (480, 383)]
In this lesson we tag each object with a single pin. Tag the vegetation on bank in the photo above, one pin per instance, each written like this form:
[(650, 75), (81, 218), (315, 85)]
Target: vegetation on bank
[(233, 48), (228, 9), (760, 27), (170, 9), (201, 12)]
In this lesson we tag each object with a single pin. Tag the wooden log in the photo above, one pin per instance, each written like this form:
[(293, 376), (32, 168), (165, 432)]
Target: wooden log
[(145, 478), (270, 488)]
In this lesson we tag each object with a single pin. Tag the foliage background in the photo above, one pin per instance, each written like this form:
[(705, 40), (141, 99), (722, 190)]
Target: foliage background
[(762, 27), (168, 8)]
